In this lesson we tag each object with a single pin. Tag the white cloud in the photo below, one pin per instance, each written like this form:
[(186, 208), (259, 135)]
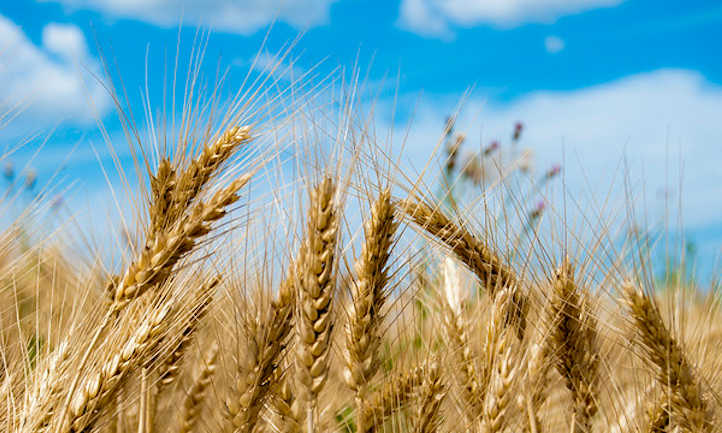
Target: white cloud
[(266, 63), (232, 16), (435, 17), (553, 44), (420, 17), (50, 81), (652, 120), (67, 41)]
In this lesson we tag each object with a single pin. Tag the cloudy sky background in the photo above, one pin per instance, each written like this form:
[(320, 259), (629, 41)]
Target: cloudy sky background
[(597, 83)]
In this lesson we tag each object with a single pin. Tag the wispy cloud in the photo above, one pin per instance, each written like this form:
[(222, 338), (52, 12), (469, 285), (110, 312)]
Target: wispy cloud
[(439, 17), (554, 44), (243, 17)]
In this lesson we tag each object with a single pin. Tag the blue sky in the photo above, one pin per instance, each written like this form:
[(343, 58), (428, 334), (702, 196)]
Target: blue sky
[(594, 81)]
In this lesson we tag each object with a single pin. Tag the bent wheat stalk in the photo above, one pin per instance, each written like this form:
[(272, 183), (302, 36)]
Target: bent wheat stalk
[(479, 258)]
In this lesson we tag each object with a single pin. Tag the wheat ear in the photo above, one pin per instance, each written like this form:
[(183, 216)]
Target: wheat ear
[(200, 171), (48, 389), (574, 337), (456, 328), (395, 393), (317, 278), (284, 404), (659, 420), (501, 366), (534, 395), (368, 297), (468, 248), (193, 402), (156, 262), (162, 187), (267, 339), (99, 387), (471, 251), (674, 372), (431, 395), (172, 194), (171, 366)]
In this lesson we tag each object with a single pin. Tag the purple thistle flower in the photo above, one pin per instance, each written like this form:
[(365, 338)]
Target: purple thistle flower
[(537, 211), (491, 148), (518, 127), (554, 170)]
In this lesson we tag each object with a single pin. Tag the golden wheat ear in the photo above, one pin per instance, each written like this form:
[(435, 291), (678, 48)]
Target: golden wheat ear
[(195, 396), (574, 338), (431, 394), (155, 264), (457, 328), (267, 335), (686, 408), (502, 365), (539, 362), (190, 182), (368, 294), (316, 284), (173, 207), (98, 388), (394, 393), (171, 365), (284, 405)]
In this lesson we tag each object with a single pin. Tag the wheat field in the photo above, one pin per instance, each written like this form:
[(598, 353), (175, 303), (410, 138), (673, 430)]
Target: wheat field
[(280, 272)]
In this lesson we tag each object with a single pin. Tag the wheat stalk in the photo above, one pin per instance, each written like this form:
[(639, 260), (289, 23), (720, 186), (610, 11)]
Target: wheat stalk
[(674, 372), (155, 263), (267, 338), (574, 337), (98, 387), (170, 368), (316, 284), (456, 328), (368, 298), (501, 369), (431, 395), (193, 402), (471, 251)]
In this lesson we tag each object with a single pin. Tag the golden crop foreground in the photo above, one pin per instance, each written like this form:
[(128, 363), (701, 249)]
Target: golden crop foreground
[(232, 312)]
